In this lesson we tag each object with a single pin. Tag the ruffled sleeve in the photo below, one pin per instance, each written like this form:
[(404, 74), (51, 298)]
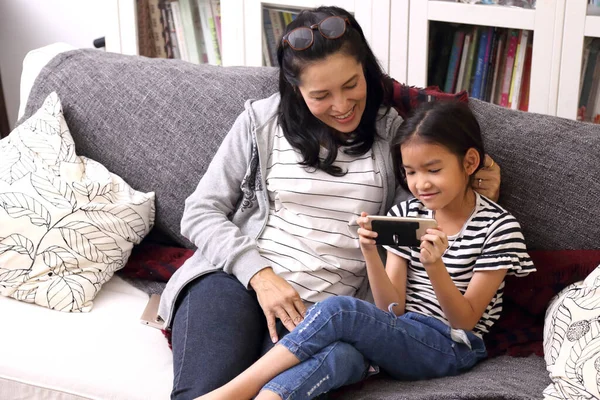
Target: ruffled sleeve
[(504, 248)]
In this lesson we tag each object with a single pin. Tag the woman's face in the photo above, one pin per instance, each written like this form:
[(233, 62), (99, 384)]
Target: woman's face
[(335, 91)]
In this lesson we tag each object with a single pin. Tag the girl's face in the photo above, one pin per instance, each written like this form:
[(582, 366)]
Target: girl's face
[(335, 91), (435, 175)]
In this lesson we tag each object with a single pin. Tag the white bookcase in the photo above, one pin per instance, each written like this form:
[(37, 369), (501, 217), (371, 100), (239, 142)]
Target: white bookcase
[(241, 28), (545, 22), (372, 15), (578, 24)]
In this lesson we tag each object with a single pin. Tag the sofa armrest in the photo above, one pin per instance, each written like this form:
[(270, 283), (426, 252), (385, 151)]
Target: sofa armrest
[(33, 63)]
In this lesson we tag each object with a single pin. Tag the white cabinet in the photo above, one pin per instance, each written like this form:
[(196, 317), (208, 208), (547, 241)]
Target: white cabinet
[(545, 21), (578, 24)]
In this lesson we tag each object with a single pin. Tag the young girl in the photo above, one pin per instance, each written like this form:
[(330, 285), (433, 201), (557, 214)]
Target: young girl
[(434, 303)]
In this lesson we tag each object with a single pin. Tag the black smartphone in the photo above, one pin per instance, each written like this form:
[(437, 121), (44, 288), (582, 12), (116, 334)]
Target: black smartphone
[(400, 231)]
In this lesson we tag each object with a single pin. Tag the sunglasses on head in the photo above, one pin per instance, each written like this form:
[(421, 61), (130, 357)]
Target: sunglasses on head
[(302, 38)]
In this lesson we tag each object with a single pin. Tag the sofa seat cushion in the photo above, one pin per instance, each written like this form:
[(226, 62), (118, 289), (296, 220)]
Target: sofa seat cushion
[(105, 354)]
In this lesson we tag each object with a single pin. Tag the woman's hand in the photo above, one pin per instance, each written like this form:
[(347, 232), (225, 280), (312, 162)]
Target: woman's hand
[(487, 180), (433, 245), (366, 236), (278, 299)]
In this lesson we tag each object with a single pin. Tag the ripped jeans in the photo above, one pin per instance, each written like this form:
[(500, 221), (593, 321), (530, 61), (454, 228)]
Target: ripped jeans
[(342, 336)]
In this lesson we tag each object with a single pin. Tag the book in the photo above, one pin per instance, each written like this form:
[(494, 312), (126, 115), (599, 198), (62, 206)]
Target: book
[(589, 73), (512, 42), (515, 85), (157, 29), (440, 40), (453, 64), (587, 44), (191, 31), (485, 42), (170, 28), (166, 29), (498, 66), (178, 28), (471, 61), (216, 12), (488, 70), (265, 50), (463, 61), (209, 32), (287, 18), (145, 38), (277, 24), (594, 92), (526, 82), (270, 36)]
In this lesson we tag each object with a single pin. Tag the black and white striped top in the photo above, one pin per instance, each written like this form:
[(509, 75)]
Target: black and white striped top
[(491, 240), (311, 235)]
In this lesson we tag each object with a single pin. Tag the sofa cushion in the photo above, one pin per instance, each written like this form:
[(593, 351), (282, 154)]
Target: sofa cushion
[(572, 341), (171, 117), (66, 223), (549, 175)]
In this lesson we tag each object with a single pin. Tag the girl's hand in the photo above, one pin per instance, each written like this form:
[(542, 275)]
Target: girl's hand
[(433, 245), (365, 235)]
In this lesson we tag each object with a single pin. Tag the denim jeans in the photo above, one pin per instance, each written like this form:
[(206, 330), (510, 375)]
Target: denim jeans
[(410, 347), (218, 331)]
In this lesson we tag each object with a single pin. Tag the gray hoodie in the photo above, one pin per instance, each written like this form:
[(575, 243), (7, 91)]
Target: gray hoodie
[(228, 210)]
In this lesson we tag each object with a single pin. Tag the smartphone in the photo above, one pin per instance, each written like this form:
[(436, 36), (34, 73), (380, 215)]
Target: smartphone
[(400, 231), (150, 315)]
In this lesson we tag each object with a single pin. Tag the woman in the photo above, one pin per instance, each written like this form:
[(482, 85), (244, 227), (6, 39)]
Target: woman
[(275, 226)]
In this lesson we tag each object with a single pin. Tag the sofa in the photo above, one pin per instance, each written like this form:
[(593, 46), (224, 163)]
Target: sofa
[(156, 124)]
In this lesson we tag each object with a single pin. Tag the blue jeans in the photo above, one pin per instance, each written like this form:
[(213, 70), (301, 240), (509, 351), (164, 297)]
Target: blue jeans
[(410, 347), (218, 331)]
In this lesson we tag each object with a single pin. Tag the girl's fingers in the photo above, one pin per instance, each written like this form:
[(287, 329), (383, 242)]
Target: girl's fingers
[(366, 233)]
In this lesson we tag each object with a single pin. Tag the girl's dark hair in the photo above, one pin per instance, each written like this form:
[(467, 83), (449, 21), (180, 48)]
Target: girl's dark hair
[(448, 123), (304, 131)]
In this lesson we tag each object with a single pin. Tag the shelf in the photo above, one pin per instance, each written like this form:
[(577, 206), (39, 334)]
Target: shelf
[(489, 15), (592, 26)]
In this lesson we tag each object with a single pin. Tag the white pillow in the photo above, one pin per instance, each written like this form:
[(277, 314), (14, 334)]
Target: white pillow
[(66, 223), (572, 341)]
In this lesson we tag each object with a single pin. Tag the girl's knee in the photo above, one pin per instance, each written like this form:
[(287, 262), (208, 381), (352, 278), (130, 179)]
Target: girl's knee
[(338, 303)]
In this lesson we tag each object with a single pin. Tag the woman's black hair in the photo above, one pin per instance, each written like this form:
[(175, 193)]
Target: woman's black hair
[(448, 123), (301, 128)]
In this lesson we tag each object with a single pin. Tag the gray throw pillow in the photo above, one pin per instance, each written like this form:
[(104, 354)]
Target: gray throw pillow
[(156, 123), (550, 175)]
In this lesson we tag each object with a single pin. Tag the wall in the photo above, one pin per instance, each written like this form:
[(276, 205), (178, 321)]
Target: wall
[(28, 24)]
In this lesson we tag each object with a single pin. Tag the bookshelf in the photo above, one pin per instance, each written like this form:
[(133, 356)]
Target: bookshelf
[(372, 15), (193, 26), (544, 22), (579, 24)]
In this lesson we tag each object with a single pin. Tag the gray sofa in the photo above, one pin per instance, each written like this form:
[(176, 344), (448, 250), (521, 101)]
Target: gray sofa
[(157, 123)]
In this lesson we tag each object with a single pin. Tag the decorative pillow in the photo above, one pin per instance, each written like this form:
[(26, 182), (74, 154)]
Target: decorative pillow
[(572, 341), (66, 223)]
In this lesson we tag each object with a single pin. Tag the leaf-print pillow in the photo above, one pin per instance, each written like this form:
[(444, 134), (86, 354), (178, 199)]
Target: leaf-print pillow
[(66, 222), (572, 341)]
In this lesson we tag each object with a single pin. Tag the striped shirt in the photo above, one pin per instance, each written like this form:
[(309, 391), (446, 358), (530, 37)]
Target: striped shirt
[(491, 239), (311, 235)]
